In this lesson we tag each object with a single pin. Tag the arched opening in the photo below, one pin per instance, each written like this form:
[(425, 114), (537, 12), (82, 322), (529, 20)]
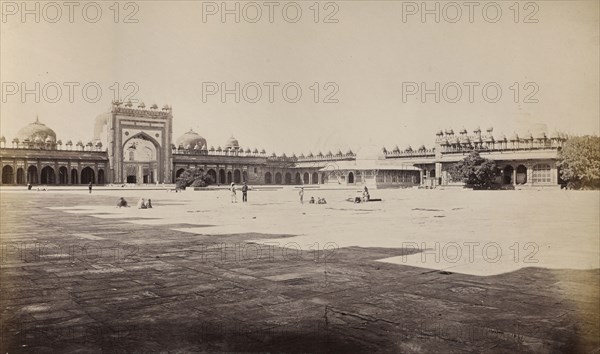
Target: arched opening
[(315, 178), (268, 178), (7, 174), (324, 177), (213, 174), (507, 174), (432, 173), (351, 178), (228, 177), (278, 178), (63, 175), (179, 172), (288, 178), (541, 174), (237, 176), (20, 176), (87, 175), (306, 178), (32, 175), (48, 176), (74, 179), (141, 156), (101, 177), (222, 177), (521, 174), (244, 176), (298, 179)]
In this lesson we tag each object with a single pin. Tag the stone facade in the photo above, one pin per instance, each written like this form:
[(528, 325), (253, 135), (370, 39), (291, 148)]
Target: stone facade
[(135, 145)]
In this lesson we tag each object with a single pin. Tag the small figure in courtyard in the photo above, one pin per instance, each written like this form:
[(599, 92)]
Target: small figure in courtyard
[(29, 186), (321, 201), (312, 200), (233, 195), (122, 203), (141, 204), (366, 195), (245, 193), (149, 204), (301, 194), (357, 199), (90, 187)]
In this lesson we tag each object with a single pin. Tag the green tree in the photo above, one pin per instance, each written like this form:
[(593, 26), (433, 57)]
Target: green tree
[(475, 171), (579, 162), (193, 178)]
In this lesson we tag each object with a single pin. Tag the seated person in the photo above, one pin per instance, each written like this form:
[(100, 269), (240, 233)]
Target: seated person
[(312, 200), (356, 199), (324, 201), (141, 204), (122, 203), (149, 204)]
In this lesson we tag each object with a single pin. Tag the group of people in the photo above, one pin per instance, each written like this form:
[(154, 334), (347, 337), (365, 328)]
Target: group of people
[(319, 200), (141, 204), (365, 196), (244, 193), (312, 199)]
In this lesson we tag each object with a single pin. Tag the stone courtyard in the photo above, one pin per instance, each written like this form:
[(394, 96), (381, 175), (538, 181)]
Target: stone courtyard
[(422, 271)]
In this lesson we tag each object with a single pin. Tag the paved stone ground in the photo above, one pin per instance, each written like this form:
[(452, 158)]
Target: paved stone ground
[(76, 283)]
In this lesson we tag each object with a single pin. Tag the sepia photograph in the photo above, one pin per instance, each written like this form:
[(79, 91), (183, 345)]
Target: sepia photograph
[(309, 176)]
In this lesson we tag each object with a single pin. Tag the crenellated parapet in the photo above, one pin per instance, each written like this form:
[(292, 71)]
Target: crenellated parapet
[(129, 109), (449, 141)]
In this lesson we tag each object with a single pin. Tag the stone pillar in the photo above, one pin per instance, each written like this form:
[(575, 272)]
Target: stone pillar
[(514, 177)]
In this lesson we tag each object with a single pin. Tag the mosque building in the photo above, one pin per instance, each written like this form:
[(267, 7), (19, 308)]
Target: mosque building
[(133, 145)]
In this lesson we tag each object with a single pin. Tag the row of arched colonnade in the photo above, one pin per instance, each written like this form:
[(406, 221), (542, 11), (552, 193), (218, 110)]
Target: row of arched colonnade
[(223, 176), (48, 175)]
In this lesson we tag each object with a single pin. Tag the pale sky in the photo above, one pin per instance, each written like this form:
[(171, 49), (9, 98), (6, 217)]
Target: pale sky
[(370, 55)]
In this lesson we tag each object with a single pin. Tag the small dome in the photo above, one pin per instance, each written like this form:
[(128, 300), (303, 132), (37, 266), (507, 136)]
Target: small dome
[(255, 151), (273, 155), (396, 149), (263, 151), (16, 140), (219, 148), (422, 148), (310, 154), (349, 152), (248, 151), (212, 148), (514, 137), (36, 130), (232, 143), (408, 148), (191, 138), (59, 142), (69, 142)]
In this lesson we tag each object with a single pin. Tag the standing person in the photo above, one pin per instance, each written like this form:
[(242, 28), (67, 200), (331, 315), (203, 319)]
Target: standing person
[(233, 196), (245, 193), (366, 195), (301, 194), (90, 187)]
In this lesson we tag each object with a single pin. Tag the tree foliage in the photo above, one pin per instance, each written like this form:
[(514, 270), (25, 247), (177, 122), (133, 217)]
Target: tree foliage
[(193, 178), (475, 171), (579, 162)]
